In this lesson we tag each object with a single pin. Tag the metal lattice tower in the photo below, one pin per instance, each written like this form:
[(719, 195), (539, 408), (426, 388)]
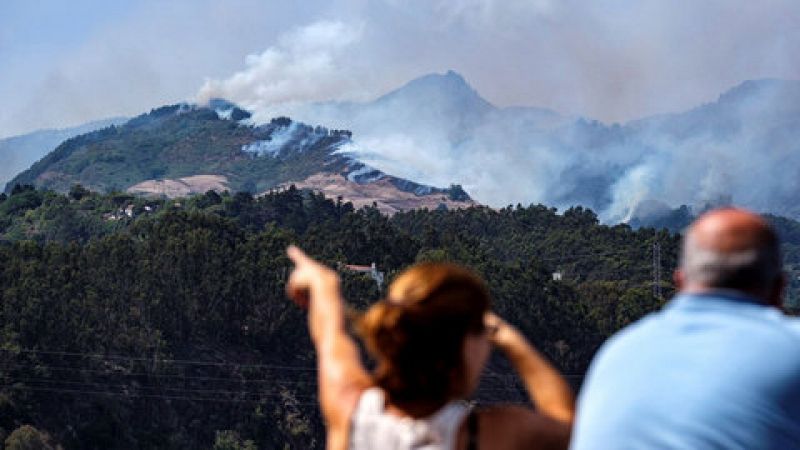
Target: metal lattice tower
[(657, 270)]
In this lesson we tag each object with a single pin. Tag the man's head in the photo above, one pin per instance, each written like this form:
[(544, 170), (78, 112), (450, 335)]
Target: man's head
[(732, 249)]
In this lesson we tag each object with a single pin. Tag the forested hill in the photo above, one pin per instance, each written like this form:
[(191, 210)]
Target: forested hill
[(152, 323), (182, 149)]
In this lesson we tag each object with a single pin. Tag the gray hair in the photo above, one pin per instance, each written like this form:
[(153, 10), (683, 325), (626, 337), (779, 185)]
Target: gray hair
[(753, 268)]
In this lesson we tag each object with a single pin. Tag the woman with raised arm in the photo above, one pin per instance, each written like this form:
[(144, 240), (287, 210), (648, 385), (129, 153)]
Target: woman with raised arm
[(431, 338)]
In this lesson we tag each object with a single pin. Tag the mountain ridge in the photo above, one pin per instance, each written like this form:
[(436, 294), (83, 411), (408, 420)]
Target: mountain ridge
[(437, 131), (184, 149), (526, 155)]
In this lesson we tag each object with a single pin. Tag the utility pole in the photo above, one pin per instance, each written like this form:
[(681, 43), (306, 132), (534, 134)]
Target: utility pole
[(657, 270)]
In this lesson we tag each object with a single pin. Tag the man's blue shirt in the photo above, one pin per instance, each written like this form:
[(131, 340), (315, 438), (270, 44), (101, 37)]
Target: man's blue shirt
[(714, 370)]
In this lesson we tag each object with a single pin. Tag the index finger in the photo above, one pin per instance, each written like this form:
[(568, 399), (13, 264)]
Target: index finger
[(296, 255)]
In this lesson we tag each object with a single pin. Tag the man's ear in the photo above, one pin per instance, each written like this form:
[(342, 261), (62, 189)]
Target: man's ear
[(678, 279)]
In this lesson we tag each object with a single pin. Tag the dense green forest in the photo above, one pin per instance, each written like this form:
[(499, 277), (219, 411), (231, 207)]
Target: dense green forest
[(130, 322)]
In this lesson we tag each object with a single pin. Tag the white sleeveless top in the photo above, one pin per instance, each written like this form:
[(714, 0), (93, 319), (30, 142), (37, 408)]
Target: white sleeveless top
[(372, 427)]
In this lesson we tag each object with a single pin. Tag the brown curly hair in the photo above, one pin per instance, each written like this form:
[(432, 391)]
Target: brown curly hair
[(417, 333)]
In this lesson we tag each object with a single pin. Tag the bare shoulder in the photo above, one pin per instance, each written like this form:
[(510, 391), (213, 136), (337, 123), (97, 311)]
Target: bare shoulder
[(342, 401), (518, 427), (339, 415)]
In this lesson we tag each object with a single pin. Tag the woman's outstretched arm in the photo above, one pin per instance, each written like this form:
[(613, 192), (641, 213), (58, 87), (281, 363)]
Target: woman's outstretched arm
[(546, 387), (342, 378)]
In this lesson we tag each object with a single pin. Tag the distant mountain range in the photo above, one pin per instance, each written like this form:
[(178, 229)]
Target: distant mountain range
[(742, 148), (18, 152), (437, 130)]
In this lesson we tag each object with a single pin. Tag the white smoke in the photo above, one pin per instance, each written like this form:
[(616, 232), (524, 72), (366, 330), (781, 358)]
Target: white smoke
[(629, 192), (494, 14), (440, 131), (303, 66), (741, 148)]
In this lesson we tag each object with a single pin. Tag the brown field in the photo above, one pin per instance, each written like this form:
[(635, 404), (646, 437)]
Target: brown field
[(386, 196), (196, 184)]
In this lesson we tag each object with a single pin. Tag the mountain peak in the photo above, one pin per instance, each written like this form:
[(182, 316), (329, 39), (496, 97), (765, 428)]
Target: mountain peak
[(454, 76), (448, 88), (450, 80)]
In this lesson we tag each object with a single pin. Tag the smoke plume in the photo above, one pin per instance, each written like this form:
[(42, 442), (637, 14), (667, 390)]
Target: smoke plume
[(438, 130), (303, 66)]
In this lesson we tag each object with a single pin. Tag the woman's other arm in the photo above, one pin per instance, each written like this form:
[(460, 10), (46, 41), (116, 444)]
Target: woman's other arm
[(546, 387), (548, 427)]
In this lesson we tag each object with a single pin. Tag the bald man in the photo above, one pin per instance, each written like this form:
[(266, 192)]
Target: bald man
[(717, 368)]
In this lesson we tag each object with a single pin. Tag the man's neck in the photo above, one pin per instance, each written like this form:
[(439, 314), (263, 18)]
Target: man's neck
[(726, 292)]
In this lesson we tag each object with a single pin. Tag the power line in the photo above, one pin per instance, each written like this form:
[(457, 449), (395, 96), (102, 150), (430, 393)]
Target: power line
[(255, 397), (159, 360), (134, 388), (138, 395), (168, 397), (108, 358), (154, 374), (312, 380)]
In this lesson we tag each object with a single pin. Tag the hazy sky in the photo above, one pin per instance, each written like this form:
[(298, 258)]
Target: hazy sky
[(64, 63)]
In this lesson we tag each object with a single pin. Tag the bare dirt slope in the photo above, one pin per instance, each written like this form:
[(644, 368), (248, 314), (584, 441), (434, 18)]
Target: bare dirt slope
[(196, 184), (383, 193)]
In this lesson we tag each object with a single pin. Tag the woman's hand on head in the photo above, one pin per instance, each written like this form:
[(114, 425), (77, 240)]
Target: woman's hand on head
[(308, 276), (501, 333)]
